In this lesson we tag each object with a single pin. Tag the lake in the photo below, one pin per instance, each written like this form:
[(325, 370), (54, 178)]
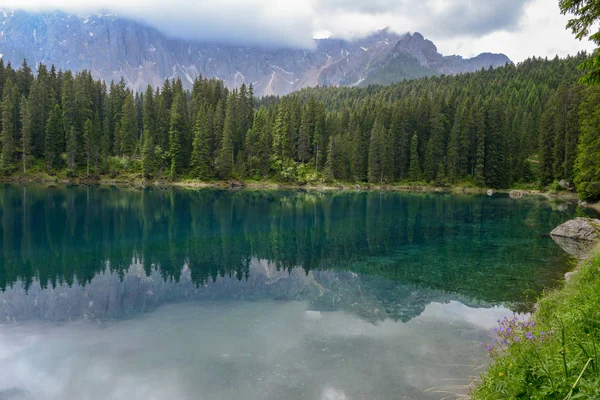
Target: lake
[(113, 293)]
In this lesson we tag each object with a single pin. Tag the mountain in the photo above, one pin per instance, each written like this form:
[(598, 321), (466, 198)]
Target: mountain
[(113, 48)]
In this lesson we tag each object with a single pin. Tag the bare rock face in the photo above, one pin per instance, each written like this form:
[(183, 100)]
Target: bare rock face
[(112, 48), (577, 236)]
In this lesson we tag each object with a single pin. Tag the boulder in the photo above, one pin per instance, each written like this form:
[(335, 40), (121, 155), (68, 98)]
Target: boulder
[(565, 185), (515, 194), (577, 236)]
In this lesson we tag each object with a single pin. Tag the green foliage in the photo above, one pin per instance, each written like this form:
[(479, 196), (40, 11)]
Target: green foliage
[(586, 15), (587, 166), (177, 136), (201, 158), (415, 168), (148, 155), (497, 128), (10, 127), (557, 354), (54, 135)]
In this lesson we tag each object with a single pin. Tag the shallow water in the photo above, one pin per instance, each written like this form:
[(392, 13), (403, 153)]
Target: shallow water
[(164, 294)]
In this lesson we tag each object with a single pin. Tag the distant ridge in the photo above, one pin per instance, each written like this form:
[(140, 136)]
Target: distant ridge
[(113, 48)]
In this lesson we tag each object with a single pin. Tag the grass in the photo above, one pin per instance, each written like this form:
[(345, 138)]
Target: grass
[(555, 354)]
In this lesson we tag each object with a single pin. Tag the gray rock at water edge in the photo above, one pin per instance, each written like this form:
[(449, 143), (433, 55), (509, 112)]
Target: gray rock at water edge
[(577, 236), (565, 185), (515, 194)]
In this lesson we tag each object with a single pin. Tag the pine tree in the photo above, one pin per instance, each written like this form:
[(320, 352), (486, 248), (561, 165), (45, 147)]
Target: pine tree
[(177, 136), (415, 166), (587, 165), (41, 103), (54, 138), (105, 142), (435, 147), (97, 141), (479, 171), (225, 154), (72, 147), (10, 120), (330, 165), (495, 167), (25, 132), (89, 143), (149, 112), (128, 127), (546, 144), (148, 154), (378, 149), (201, 161), (280, 128)]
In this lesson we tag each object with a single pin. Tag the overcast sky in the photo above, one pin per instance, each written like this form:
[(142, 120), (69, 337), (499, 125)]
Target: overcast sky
[(518, 28)]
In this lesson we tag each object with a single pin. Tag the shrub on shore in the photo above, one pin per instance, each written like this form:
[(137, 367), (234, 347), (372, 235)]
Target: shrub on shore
[(555, 354)]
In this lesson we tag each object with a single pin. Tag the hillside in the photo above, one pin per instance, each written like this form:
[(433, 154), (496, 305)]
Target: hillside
[(113, 48)]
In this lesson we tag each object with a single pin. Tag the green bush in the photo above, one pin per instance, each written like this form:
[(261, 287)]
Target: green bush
[(589, 191), (555, 355)]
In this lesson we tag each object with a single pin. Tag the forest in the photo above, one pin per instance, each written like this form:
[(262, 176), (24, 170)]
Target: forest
[(530, 123)]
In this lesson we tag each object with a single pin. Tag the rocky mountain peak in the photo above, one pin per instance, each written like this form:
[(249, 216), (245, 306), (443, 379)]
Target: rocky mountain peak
[(112, 48)]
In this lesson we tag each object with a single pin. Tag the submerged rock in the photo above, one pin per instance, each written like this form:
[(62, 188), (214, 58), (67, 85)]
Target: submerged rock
[(577, 236)]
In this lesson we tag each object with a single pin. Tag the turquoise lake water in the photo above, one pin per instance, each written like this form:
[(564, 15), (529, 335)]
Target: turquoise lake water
[(179, 294)]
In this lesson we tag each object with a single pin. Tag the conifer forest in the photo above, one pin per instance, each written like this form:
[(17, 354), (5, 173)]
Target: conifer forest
[(499, 128)]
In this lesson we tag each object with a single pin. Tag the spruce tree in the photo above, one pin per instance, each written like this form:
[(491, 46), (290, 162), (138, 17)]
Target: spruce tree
[(587, 165), (72, 148), (89, 143), (177, 136), (128, 127), (200, 160), (415, 166), (10, 121), (25, 133), (377, 153), (225, 154), (148, 154), (54, 138), (105, 142), (479, 171)]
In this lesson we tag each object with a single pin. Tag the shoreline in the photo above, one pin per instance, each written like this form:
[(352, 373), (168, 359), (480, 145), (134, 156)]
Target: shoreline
[(553, 329), (270, 185)]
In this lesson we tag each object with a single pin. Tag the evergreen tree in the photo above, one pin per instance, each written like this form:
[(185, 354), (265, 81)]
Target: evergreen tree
[(148, 154), (72, 147), (225, 155), (201, 161), (89, 141), (10, 121), (25, 132), (586, 14), (415, 166), (587, 165), (127, 132), (177, 136), (378, 150), (479, 172), (435, 147), (105, 141), (54, 138)]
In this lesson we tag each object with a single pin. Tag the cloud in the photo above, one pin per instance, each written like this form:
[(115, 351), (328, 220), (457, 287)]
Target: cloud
[(456, 17), (540, 32), (266, 22), (518, 28)]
